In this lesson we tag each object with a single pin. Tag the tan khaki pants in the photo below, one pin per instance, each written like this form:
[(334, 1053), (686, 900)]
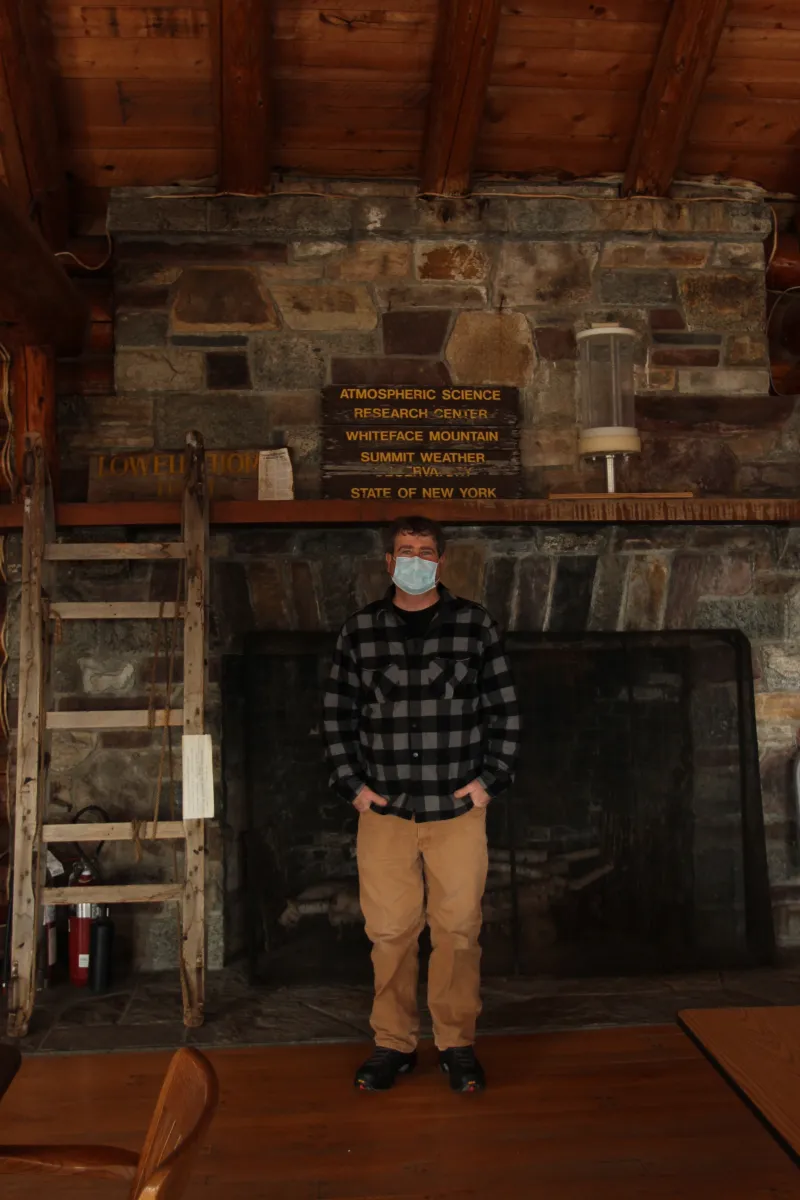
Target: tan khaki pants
[(398, 860)]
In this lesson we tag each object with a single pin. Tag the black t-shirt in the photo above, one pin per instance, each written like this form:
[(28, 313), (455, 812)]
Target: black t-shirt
[(417, 621)]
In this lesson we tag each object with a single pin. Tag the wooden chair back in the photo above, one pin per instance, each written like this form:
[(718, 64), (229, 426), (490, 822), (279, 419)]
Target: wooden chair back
[(182, 1115)]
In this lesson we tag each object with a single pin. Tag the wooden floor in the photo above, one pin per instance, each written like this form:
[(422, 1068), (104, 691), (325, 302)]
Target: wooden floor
[(634, 1114), (759, 1051)]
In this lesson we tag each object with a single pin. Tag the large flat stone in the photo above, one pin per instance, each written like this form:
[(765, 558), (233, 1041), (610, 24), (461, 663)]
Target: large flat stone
[(148, 328), (491, 348), (637, 287), (646, 591), (572, 593), (463, 568), (431, 295), (415, 332), (269, 594), (552, 396), (372, 372), (326, 307), (551, 273), (98, 423), (159, 370), (242, 422), (457, 262), (156, 210), (368, 261), (757, 618), (549, 446), (535, 582), (282, 217), (733, 300), (726, 380), (221, 298), (546, 215), (283, 361)]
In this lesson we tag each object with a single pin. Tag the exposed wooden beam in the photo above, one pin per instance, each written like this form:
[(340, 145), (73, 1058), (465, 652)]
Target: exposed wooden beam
[(466, 37), (38, 303), (242, 33), (688, 46), (33, 392), (28, 126)]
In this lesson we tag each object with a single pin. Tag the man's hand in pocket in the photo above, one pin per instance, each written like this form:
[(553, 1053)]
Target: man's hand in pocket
[(366, 798), (476, 792)]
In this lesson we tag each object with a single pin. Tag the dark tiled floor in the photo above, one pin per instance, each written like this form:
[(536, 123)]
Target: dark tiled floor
[(146, 1012)]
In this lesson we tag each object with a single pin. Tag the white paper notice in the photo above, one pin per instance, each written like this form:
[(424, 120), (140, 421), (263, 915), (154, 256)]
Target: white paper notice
[(198, 777), (275, 476)]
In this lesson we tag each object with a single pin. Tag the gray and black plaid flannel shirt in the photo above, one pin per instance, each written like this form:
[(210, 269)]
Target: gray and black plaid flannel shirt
[(416, 720)]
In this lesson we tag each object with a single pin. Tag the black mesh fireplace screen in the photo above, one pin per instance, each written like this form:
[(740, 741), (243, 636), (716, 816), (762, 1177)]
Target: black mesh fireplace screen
[(632, 842)]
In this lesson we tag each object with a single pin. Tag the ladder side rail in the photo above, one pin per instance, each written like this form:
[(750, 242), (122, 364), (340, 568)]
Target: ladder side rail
[(195, 538), (32, 737)]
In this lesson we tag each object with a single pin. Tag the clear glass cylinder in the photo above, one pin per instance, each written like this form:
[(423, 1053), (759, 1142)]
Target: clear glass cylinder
[(608, 406)]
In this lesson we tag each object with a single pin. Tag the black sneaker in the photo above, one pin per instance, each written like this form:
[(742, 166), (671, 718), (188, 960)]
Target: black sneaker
[(466, 1073), (381, 1069)]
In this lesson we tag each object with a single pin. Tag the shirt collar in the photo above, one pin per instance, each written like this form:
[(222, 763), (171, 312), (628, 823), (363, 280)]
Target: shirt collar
[(387, 612)]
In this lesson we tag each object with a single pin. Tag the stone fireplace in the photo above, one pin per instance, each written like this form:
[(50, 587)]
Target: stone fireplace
[(232, 313), (631, 841), (558, 581)]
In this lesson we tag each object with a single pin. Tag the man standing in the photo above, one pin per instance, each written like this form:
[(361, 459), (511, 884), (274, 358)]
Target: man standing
[(422, 726)]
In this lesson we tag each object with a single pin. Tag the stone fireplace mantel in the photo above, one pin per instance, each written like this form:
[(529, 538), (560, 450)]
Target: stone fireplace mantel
[(591, 510)]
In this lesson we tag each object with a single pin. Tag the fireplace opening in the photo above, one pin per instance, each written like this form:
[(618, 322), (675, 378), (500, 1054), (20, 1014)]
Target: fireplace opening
[(632, 841)]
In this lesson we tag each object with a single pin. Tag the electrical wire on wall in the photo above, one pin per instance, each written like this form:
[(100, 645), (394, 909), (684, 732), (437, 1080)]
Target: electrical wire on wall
[(7, 456)]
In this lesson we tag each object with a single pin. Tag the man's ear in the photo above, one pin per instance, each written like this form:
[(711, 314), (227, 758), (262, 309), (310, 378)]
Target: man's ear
[(389, 561), (441, 564)]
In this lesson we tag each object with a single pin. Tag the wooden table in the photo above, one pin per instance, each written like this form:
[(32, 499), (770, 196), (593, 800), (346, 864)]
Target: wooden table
[(758, 1050), (10, 1059)]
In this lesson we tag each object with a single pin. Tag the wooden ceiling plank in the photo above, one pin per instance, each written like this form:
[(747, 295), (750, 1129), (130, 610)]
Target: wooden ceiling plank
[(34, 168), (466, 38), (94, 166), (132, 58), (173, 21), (687, 49), (38, 303), (606, 70), (241, 33)]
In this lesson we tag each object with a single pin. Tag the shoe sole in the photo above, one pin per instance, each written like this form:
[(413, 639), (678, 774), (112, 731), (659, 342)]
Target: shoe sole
[(363, 1086)]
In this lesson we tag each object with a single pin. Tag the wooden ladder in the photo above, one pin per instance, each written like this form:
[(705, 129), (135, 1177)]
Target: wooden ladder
[(40, 553)]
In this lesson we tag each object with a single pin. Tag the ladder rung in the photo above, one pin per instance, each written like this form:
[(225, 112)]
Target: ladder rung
[(120, 893), (113, 831), (112, 610), (114, 718), (87, 551)]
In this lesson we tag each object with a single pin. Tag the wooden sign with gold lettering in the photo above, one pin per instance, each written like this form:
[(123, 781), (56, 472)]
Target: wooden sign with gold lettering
[(232, 475), (407, 443)]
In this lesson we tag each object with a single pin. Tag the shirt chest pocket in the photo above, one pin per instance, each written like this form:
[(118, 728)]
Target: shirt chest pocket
[(383, 686), (451, 678)]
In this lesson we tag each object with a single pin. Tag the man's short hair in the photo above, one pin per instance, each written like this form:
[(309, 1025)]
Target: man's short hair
[(420, 527)]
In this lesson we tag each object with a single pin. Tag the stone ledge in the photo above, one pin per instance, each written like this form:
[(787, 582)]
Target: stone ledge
[(291, 216)]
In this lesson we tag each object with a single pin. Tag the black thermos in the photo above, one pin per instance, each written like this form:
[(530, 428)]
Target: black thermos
[(101, 953)]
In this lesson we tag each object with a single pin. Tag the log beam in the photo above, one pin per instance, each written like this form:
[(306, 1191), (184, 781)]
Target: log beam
[(466, 38), (38, 303), (688, 45), (33, 395), (29, 135), (242, 36)]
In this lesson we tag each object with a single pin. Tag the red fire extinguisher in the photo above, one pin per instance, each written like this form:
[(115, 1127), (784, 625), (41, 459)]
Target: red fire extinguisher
[(80, 933)]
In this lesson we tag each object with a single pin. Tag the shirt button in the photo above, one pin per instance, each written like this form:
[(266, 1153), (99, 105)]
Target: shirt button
[(415, 755)]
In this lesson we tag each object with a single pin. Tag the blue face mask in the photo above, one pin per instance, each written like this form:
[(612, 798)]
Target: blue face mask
[(415, 576)]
